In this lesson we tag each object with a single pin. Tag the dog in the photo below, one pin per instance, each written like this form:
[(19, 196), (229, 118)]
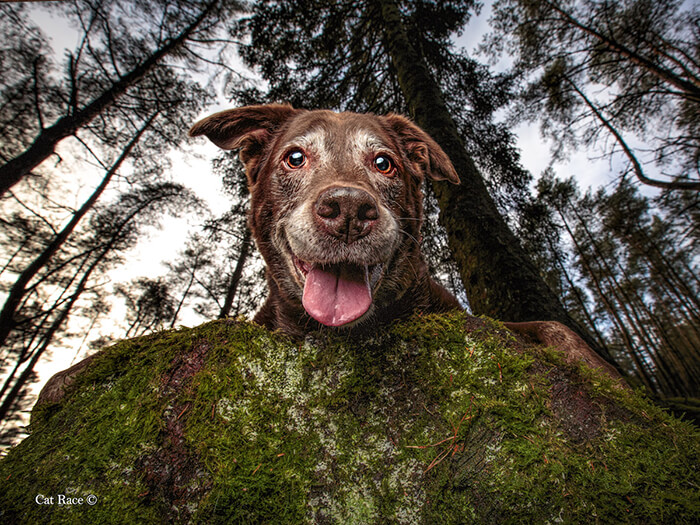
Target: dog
[(336, 212)]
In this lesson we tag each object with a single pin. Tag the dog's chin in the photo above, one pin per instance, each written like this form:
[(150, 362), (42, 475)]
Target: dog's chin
[(337, 294)]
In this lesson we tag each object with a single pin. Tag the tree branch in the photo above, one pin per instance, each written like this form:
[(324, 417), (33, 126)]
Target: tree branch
[(692, 91), (636, 166)]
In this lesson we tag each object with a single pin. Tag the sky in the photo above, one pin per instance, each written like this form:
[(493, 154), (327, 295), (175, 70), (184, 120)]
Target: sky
[(192, 167)]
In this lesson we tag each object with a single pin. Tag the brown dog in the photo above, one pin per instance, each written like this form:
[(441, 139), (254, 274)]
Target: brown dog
[(336, 211)]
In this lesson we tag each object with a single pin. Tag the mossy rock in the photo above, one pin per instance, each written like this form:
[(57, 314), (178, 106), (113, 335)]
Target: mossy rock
[(440, 419)]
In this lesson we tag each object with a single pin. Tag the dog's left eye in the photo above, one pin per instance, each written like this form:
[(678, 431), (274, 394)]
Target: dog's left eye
[(295, 159), (383, 164)]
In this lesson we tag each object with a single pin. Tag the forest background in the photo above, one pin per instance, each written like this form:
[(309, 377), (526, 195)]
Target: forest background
[(574, 126)]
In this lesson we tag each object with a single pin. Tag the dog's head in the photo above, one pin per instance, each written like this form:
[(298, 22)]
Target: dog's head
[(336, 205)]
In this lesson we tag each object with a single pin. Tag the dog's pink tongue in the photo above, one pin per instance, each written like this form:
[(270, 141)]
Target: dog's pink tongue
[(338, 295)]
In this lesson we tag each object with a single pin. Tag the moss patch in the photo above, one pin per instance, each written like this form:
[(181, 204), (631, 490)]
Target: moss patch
[(439, 419)]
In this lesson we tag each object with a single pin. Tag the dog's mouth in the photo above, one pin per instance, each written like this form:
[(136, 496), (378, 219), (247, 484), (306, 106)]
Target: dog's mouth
[(340, 293)]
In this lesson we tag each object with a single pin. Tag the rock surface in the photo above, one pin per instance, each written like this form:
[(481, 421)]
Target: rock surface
[(442, 419)]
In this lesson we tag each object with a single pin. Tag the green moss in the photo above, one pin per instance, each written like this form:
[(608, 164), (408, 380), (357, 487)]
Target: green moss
[(439, 419)]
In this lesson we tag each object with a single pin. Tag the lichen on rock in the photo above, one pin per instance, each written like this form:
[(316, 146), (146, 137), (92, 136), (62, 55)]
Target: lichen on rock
[(439, 419)]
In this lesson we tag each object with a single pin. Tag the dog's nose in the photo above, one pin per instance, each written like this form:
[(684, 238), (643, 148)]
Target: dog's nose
[(345, 212)]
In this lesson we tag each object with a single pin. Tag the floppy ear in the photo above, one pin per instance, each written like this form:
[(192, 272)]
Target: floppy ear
[(422, 150), (248, 128)]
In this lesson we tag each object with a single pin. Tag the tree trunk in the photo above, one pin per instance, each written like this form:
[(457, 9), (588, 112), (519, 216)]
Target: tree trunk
[(236, 276), (644, 374), (589, 317), (45, 143), (631, 305), (193, 275), (499, 279), (18, 289), (13, 394), (105, 249)]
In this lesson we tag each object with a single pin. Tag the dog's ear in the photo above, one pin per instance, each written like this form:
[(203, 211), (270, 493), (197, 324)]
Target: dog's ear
[(422, 149), (248, 128)]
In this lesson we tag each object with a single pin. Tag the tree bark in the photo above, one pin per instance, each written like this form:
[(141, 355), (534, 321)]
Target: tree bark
[(499, 279)]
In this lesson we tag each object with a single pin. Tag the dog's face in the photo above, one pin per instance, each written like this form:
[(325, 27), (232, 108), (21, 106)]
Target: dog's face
[(336, 206)]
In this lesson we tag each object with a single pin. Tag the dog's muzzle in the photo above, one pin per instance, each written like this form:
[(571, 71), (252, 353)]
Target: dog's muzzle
[(340, 258)]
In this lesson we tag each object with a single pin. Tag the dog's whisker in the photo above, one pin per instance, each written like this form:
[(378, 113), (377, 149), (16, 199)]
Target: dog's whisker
[(413, 268), (409, 236)]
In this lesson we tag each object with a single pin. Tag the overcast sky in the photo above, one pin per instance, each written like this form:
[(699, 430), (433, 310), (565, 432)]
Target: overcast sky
[(534, 149)]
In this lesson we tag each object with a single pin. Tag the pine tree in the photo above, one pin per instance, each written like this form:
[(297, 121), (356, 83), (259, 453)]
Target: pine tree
[(599, 70), (120, 49)]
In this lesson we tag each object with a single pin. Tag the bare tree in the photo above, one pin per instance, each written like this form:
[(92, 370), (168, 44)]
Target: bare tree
[(112, 230)]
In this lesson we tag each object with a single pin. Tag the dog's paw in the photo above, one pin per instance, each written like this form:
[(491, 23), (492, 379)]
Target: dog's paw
[(55, 388), (557, 335)]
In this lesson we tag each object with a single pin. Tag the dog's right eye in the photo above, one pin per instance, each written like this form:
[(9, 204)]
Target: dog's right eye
[(384, 164), (295, 159)]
